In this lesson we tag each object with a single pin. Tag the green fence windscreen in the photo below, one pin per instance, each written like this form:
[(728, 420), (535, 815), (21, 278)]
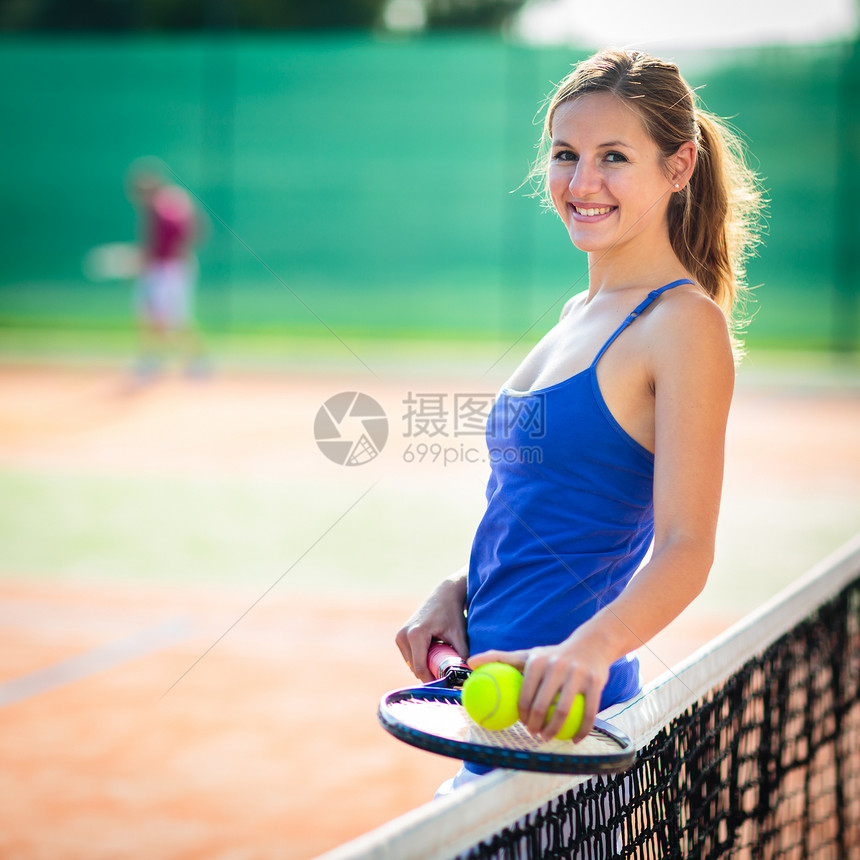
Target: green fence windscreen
[(376, 182)]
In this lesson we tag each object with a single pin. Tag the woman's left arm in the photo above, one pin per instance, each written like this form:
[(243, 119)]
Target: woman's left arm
[(692, 372)]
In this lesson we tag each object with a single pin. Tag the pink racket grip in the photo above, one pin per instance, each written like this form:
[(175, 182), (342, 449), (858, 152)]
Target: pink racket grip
[(444, 662)]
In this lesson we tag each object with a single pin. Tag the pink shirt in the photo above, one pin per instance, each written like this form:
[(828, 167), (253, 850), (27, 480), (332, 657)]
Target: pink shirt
[(171, 225)]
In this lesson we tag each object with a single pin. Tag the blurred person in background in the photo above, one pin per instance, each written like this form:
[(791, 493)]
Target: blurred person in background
[(164, 297)]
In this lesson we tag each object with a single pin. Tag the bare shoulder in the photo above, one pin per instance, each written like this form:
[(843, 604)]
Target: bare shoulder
[(689, 330), (573, 302)]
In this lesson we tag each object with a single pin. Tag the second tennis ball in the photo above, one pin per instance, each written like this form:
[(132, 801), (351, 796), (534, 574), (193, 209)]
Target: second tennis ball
[(490, 695), (574, 718)]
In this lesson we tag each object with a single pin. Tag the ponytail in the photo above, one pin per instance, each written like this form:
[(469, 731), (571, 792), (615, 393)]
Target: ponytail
[(713, 221)]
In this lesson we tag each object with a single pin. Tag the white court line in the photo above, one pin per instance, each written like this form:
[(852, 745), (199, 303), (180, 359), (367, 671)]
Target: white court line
[(100, 659)]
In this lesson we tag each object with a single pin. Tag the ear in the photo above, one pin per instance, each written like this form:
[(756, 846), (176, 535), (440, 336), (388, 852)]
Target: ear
[(681, 164)]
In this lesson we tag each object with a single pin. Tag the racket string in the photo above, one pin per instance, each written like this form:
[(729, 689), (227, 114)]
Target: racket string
[(448, 719)]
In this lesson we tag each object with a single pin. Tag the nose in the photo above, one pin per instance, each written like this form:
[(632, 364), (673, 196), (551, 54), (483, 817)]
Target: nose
[(586, 179)]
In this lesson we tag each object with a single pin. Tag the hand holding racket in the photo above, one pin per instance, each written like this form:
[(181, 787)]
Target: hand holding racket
[(432, 717)]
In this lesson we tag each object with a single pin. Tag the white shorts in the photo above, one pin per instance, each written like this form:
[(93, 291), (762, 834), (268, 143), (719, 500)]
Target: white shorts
[(164, 293)]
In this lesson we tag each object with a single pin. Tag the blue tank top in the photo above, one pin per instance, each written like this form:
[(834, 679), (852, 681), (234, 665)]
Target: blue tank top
[(569, 517)]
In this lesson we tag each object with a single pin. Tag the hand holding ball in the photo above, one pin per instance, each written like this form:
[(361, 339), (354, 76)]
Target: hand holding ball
[(490, 697)]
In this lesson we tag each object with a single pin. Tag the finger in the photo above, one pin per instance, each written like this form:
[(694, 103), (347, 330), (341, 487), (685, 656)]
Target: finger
[(563, 703), (418, 644), (405, 650), (459, 641), (517, 659), (402, 642), (592, 695), (538, 690), (420, 647)]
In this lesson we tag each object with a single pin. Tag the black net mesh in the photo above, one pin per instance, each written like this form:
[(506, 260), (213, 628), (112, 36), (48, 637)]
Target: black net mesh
[(767, 765)]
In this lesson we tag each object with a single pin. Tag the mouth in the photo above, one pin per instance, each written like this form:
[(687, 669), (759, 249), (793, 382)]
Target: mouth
[(592, 211)]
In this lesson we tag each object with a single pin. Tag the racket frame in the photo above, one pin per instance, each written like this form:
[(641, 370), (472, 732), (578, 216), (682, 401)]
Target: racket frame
[(493, 756)]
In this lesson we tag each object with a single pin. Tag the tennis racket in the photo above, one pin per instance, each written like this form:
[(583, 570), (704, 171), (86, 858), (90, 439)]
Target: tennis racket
[(432, 718), (114, 261)]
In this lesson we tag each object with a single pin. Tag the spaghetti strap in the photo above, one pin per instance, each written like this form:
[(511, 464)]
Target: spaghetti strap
[(635, 313)]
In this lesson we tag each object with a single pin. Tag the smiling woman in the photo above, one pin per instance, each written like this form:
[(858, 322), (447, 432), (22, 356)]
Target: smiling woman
[(633, 387)]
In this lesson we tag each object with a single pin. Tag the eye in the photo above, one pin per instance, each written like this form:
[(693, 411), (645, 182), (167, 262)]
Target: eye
[(615, 158), (565, 155)]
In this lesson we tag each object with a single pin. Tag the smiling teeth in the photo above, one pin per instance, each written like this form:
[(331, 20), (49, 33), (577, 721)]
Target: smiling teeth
[(593, 211)]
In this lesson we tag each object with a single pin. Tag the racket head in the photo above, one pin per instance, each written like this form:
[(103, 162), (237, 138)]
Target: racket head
[(433, 718), (114, 261)]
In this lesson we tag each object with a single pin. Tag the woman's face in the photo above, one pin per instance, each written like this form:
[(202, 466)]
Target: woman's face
[(607, 177)]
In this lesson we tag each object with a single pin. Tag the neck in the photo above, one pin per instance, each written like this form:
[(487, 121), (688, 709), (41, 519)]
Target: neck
[(643, 269)]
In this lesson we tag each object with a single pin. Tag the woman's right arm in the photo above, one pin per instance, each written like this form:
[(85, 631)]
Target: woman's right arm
[(441, 616)]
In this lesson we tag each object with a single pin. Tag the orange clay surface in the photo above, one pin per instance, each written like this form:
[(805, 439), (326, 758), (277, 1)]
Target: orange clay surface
[(221, 736)]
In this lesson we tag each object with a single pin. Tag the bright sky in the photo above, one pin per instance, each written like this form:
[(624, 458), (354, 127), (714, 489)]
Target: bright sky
[(652, 25)]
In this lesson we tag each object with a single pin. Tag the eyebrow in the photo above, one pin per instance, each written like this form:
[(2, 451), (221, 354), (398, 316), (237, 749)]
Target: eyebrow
[(606, 145)]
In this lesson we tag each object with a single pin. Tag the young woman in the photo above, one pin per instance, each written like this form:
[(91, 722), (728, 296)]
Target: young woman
[(633, 385)]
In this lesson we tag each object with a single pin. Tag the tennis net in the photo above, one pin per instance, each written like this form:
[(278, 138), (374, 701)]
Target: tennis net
[(750, 748)]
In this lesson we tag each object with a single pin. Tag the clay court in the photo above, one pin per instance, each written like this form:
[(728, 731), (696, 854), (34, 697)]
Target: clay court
[(198, 608)]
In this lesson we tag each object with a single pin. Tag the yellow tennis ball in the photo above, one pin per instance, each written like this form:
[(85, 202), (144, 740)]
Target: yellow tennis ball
[(574, 718), (490, 695)]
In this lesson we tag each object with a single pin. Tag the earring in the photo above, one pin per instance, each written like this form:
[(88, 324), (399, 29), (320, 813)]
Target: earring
[(677, 185)]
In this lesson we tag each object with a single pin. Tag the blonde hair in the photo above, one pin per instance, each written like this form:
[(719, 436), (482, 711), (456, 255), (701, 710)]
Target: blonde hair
[(715, 220)]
